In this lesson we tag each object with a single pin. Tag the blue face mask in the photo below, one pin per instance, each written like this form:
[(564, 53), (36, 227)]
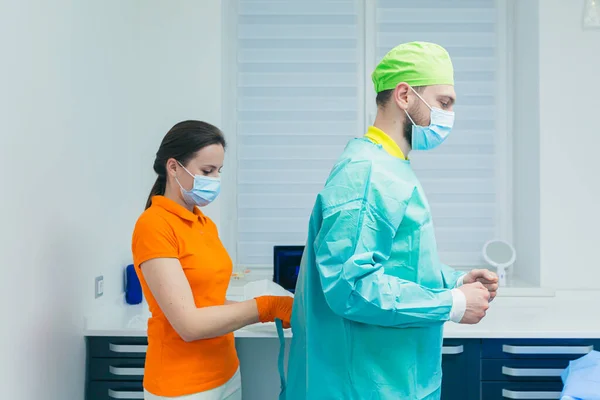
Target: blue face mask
[(430, 137), (204, 191)]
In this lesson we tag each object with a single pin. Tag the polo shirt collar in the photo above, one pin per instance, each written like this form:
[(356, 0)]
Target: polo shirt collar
[(378, 136), (174, 208)]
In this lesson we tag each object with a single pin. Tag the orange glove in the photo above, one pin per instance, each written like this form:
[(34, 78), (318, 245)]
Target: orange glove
[(275, 307)]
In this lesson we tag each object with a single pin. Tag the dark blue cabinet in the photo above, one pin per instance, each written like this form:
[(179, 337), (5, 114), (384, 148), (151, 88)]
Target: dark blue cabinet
[(473, 369), (460, 368), (522, 370), (109, 390), (524, 390), (115, 367), (528, 368), (538, 348)]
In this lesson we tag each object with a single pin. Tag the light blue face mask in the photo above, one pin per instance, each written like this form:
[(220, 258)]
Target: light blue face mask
[(430, 137), (205, 189)]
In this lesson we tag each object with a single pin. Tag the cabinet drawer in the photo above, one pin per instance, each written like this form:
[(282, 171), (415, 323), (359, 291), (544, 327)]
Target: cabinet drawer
[(116, 369), (460, 368), (523, 370), (538, 348), (114, 390), (117, 347), (521, 390)]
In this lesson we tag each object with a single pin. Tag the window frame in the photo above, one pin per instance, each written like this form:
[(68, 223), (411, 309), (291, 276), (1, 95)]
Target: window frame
[(367, 110)]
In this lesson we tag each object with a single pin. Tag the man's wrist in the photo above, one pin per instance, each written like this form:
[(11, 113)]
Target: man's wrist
[(459, 305)]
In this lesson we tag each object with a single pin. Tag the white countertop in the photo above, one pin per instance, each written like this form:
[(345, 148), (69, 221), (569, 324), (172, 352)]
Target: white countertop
[(566, 315)]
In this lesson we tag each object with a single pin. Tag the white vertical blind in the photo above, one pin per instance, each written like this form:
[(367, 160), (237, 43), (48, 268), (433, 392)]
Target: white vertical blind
[(460, 177), (300, 77), (298, 105)]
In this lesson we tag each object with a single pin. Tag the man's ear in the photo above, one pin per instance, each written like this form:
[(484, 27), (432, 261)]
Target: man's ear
[(400, 95)]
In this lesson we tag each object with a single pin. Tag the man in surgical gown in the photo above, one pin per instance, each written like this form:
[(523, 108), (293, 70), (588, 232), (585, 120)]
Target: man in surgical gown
[(372, 295)]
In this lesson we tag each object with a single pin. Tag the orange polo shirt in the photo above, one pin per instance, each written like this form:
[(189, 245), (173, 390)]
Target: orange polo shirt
[(174, 367)]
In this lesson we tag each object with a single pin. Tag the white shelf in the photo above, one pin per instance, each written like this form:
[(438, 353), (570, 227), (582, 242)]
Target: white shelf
[(517, 287)]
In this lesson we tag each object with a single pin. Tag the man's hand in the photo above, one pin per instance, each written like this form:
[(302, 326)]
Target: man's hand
[(477, 302), (486, 277)]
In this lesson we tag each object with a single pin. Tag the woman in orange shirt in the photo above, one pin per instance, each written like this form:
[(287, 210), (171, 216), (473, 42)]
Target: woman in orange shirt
[(184, 271)]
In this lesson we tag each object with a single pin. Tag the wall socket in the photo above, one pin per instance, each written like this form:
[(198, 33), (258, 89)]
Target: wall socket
[(99, 286)]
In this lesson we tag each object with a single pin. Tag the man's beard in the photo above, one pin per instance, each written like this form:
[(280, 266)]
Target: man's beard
[(417, 116), (408, 125)]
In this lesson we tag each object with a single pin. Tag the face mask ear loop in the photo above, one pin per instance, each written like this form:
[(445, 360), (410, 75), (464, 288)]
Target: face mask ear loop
[(177, 179), (419, 96), (179, 183), (411, 120), (186, 170)]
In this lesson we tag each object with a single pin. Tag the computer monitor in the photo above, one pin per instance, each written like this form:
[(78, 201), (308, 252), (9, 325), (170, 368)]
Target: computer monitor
[(286, 265)]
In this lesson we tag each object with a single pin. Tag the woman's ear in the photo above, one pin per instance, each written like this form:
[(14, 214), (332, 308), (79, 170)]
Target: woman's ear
[(171, 167)]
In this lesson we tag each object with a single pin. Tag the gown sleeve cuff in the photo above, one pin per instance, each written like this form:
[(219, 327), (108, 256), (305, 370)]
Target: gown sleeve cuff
[(459, 305), (461, 280)]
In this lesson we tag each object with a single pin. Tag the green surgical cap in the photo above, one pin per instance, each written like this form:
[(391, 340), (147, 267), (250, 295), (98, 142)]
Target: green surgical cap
[(415, 63)]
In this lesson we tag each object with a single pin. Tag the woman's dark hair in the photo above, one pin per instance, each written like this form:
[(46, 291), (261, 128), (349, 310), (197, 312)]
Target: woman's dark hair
[(182, 142)]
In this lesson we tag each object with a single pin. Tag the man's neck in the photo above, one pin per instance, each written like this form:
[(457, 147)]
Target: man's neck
[(394, 129)]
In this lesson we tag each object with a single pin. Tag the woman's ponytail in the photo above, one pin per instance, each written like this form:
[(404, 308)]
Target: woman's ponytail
[(157, 190)]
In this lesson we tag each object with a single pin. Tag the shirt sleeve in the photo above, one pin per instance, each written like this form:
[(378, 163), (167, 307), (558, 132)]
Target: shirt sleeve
[(153, 237), (353, 241), (459, 306)]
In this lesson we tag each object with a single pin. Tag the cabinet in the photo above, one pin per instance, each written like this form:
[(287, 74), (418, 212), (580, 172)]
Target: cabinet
[(528, 368), (473, 369), (460, 368), (115, 367)]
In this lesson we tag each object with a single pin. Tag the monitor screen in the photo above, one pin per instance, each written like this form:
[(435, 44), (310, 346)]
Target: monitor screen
[(286, 265)]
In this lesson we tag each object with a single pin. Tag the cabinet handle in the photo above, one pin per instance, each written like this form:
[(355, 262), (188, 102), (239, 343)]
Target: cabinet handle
[(547, 349), (113, 394), (453, 349), (125, 371), (531, 371), (127, 348), (509, 394)]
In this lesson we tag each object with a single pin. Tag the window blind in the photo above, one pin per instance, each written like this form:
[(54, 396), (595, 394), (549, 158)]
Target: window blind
[(300, 97), (460, 178), (298, 102)]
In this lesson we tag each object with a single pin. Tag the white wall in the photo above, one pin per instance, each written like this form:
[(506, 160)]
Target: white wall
[(555, 185), (526, 137), (88, 89), (569, 82)]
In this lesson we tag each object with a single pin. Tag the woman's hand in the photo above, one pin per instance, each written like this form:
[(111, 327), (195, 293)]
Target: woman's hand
[(275, 307)]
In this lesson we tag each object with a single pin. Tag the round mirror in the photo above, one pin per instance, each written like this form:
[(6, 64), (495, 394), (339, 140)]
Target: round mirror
[(501, 255)]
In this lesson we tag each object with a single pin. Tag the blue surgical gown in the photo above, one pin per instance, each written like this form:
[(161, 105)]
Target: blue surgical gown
[(372, 296)]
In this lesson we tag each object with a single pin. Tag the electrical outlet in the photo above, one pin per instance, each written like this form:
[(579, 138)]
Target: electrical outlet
[(99, 286)]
